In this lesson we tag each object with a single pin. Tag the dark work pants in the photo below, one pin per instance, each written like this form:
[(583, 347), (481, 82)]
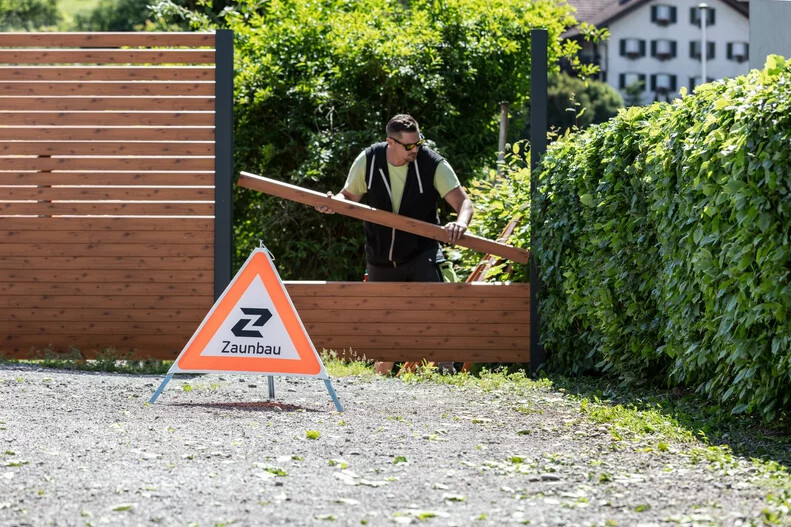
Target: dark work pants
[(422, 268)]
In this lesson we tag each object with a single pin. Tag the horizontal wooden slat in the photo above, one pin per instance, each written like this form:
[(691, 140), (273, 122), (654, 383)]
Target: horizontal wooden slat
[(106, 262), (422, 342), (107, 302), (106, 39), (58, 327), (106, 73), (107, 119), (93, 104), (406, 303), (107, 193), (432, 329), (107, 163), (125, 148), (184, 315), (106, 178), (108, 209), (121, 236), (124, 225), (106, 249), (106, 56), (113, 276), (140, 88), (377, 316), (174, 133), (402, 289), (203, 288)]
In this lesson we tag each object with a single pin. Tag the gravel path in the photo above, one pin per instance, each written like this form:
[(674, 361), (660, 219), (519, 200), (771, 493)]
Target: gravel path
[(83, 449)]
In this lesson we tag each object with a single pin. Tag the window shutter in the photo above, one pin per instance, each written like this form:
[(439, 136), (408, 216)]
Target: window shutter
[(673, 14), (693, 16), (642, 48), (622, 80), (692, 49), (673, 48), (672, 83), (653, 48), (653, 13), (623, 47), (641, 76), (729, 51), (709, 50), (653, 82), (710, 16)]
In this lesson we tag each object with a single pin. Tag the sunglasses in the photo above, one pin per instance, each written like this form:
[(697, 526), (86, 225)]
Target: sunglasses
[(410, 146)]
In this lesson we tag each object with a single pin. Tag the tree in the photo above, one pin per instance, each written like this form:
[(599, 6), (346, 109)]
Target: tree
[(28, 15), (573, 102)]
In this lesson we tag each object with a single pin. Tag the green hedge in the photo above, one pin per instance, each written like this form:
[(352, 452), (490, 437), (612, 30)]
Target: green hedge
[(664, 240)]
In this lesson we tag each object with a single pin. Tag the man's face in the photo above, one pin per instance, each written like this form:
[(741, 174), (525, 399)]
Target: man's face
[(397, 143)]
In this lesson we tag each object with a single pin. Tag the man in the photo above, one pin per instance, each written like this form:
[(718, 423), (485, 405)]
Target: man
[(401, 175)]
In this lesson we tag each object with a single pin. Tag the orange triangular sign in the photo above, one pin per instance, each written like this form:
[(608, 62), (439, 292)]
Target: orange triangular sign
[(253, 327)]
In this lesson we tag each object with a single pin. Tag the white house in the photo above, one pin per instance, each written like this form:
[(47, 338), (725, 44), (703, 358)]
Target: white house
[(658, 43)]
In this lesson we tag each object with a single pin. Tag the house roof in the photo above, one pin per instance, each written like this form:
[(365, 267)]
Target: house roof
[(601, 13)]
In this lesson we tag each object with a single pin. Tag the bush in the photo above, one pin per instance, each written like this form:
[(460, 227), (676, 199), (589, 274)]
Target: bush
[(574, 103), (28, 15), (664, 243), (316, 82)]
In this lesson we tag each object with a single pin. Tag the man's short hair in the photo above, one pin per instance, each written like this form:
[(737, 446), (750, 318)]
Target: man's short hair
[(401, 123)]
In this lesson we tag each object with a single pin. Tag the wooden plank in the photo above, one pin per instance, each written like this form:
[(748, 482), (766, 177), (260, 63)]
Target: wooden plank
[(86, 342), (401, 289), (93, 288), (114, 276), (123, 225), (107, 39), (138, 88), (107, 193), (184, 315), (96, 119), (93, 104), (407, 303), (114, 302), (164, 208), (106, 73), (106, 262), (406, 342), (90, 133), (126, 148), (106, 56), (123, 164), (418, 329), (377, 316), (59, 327), (388, 219), (120, 236), (107, 178), (173, 250)]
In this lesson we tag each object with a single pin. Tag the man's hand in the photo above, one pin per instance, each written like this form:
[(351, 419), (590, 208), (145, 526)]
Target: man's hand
[(455, 230), (324, 209)]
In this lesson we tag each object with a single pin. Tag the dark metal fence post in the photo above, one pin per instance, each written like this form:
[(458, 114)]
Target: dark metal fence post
[(223, 160), (538, 146)]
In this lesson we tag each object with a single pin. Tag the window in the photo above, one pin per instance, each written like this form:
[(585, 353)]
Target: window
[(629, 79), (663, 14), (632, 48), (663, 83), (694, 49), (694, 16), (738, 51), (663, 49)]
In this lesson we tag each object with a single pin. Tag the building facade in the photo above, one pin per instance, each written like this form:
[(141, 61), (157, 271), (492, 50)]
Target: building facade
[(655, 47)]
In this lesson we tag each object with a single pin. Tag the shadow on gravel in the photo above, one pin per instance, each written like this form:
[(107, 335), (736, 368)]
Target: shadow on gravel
[(744, 435), (252, 406)]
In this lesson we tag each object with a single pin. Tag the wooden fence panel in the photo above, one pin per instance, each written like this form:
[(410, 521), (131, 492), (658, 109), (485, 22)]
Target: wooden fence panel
[(464, 322), (108, 190)]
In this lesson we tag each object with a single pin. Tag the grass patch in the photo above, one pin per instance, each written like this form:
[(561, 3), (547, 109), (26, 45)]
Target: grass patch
[(347, 366), (109, 360)]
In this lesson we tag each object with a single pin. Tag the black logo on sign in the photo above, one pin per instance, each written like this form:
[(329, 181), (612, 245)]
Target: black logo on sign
[(263, 316)]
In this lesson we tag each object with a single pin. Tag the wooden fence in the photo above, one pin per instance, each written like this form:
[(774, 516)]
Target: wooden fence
[(114, 195)]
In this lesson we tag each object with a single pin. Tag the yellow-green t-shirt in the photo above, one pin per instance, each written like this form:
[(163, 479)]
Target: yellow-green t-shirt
[(445, 180)]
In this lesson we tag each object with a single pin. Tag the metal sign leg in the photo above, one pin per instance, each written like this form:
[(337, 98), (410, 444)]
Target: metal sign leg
[(333, 395), (271, 387), (161, 387)]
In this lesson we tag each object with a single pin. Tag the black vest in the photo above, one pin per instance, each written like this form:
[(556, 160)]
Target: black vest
[(385, 246)]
